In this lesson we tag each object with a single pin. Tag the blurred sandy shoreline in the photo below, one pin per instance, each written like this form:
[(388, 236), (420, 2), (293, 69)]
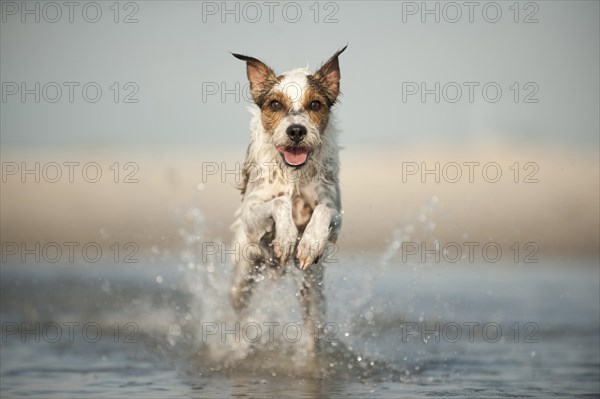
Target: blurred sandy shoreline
[(383, 197)]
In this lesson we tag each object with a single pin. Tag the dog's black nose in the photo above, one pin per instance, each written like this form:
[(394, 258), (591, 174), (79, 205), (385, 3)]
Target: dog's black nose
[(296, 132)]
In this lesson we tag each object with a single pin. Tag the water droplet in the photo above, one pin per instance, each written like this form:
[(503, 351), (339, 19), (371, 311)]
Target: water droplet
[(175, 330), (159, 279)]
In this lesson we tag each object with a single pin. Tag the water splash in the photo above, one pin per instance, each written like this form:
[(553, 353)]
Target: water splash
[(206, 281)]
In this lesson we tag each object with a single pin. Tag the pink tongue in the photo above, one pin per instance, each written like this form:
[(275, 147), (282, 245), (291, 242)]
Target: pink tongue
[(295, 156)]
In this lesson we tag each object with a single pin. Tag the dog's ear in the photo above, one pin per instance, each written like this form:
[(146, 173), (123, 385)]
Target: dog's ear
[(329, 75), (261, 77)]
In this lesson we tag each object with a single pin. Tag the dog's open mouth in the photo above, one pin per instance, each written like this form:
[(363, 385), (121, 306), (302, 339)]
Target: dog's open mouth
[(294, 156)]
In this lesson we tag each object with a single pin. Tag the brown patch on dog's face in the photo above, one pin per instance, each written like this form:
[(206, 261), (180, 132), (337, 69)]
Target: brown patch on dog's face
[(275, 107), (316, 104)]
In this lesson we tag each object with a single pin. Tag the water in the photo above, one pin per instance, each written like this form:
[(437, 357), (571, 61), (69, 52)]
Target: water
[(379, 347)]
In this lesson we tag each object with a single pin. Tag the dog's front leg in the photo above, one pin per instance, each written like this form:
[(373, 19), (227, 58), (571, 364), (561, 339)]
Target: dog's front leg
[(259, 218), (286, 232), (323, 225)]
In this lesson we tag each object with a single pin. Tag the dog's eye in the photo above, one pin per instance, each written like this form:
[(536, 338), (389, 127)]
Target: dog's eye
[(275, 105), (315, 105)]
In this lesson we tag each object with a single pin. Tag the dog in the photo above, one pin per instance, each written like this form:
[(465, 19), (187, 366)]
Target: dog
[(291, 204)]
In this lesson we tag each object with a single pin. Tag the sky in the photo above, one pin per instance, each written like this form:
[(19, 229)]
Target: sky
[(528, 74)]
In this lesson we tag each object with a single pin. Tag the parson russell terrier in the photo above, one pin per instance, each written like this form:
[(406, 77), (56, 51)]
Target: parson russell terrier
[(291, 206)]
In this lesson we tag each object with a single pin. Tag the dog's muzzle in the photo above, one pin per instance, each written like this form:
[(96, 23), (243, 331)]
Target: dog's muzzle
[(295, 155)]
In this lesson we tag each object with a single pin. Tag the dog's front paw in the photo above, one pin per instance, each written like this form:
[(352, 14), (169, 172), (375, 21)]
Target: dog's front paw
[(310, 249), (284, 242)]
